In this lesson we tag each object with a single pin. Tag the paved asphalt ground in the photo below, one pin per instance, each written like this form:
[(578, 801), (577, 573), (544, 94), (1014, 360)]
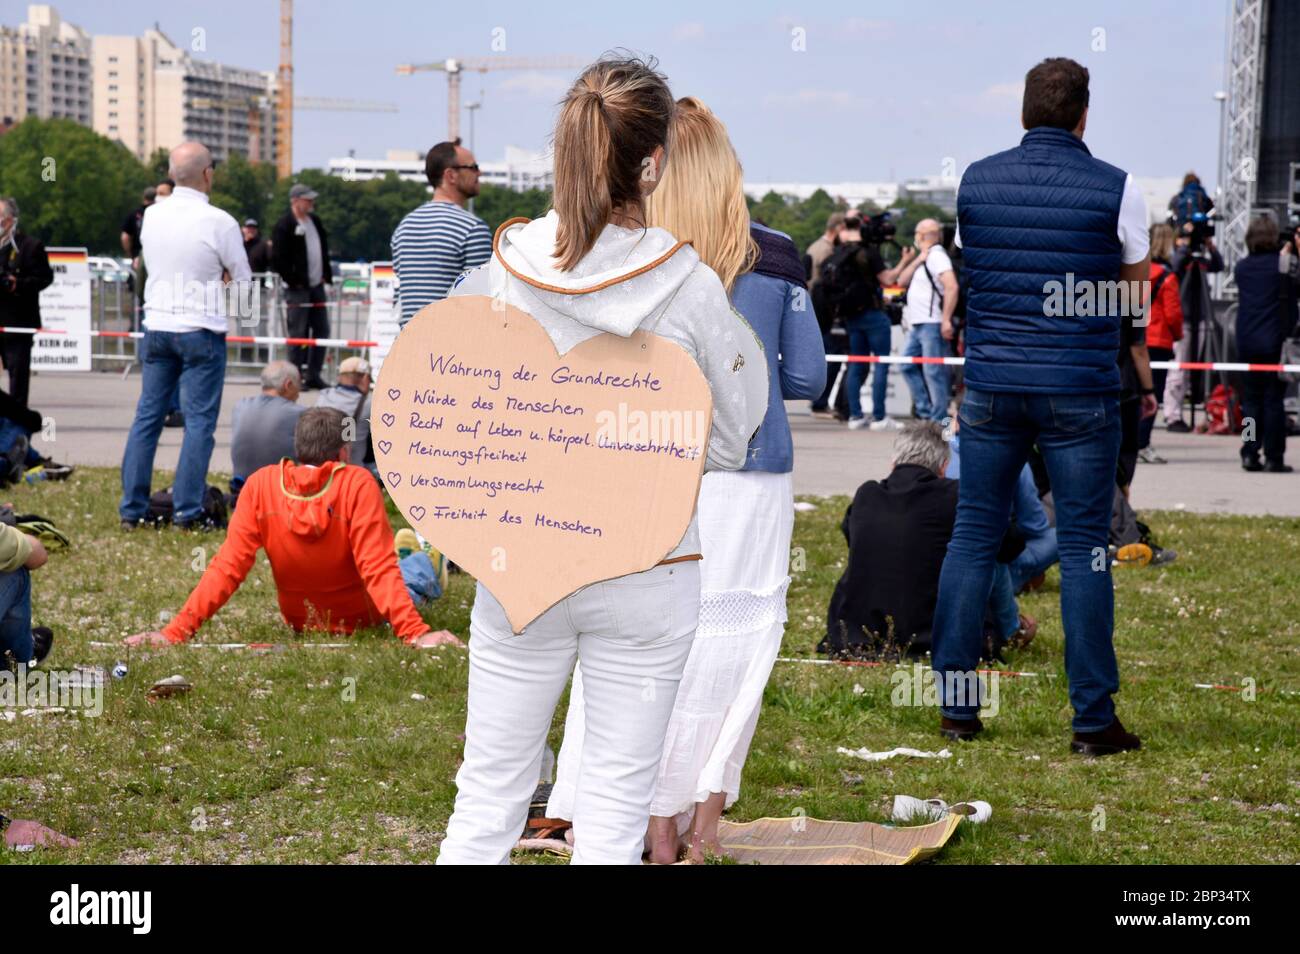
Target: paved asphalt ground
[(92, 414)]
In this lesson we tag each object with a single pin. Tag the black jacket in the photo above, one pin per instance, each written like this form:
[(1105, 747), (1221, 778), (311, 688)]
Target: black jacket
[(259, 256), (1266, 308), (24, 271), (898, 531), (289, 252)]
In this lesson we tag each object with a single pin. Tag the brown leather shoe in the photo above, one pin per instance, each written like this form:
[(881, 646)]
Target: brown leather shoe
[(1023, 636), (960, 730), (1114, 738)]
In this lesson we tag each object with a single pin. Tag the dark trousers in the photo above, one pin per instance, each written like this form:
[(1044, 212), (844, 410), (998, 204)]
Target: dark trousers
[(834, 344), (16, 351), (307, 318), (1262, 394), (1158, 376)]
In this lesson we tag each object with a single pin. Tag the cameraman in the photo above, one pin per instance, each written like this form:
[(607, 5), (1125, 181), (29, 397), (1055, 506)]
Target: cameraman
[(852, 277), (24, 271), (1192, 248), (1266, 317)]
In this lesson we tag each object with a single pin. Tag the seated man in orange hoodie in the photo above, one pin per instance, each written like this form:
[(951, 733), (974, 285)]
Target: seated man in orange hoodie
[(323, 526)]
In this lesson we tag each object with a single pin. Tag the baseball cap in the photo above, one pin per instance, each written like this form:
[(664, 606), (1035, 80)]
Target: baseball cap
[(301, 191), (250, 223), (354, 365)]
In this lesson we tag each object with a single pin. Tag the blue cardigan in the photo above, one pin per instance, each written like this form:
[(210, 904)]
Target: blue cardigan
[(781, 314)]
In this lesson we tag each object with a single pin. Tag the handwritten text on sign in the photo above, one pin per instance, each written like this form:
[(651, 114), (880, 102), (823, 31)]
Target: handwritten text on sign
[(539, 473)]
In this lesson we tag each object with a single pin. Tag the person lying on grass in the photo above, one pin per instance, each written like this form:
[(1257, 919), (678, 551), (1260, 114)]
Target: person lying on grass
[(323, 526)]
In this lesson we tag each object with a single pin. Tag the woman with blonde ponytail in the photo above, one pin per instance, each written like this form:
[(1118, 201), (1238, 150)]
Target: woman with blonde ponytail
[(592, 266), (746, 517)]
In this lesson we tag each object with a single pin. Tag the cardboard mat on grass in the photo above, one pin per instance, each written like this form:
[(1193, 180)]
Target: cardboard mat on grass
[(810, 841)]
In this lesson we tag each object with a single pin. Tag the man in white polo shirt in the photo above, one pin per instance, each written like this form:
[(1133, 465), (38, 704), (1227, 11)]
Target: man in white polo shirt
[(190, 249), (931, 297)]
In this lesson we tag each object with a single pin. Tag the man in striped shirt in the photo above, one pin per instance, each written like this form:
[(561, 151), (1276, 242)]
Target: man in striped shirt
[(440, 239)]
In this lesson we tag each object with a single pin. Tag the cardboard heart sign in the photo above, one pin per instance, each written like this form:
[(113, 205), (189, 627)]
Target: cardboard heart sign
[(536, 473)]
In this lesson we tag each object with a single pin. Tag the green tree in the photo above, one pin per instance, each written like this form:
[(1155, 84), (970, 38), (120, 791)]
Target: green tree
[(74, 187), (158, 164), (245, 189), (495, 205)]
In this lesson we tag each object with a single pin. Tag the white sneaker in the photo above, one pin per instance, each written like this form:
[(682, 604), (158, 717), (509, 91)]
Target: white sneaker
[(857, 423), (907, 808), (886, 424), (1148, 455)]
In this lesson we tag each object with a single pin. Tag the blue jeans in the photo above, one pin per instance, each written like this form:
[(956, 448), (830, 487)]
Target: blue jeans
[(9, 433), (197, 360), (1079, 437), (1040, 552), (929, 383), (16, 614), (420, 577), (1002, 603), (868, 334)]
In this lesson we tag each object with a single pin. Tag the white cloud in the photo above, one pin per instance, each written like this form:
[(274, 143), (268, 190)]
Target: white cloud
[(692, 30), (535, 84), (1004, 92)]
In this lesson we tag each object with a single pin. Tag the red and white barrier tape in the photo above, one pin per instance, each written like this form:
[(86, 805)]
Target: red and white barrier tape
[(833, 358), (1185, 365)]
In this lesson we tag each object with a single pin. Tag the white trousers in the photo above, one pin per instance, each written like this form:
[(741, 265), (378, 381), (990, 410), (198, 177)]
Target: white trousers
[(633, 635), (1176, 384), (746, 520)]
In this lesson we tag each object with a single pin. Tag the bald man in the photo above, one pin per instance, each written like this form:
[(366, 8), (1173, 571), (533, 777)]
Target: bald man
[(187, 245), (931, 297)]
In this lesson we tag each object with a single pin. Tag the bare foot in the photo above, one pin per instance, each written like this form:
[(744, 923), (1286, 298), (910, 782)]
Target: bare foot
[(662, 836)]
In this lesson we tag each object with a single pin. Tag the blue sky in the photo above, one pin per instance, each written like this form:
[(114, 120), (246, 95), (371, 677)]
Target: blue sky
[(880, 91)]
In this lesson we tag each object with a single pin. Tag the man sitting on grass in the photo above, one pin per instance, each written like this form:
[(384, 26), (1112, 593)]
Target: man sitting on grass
[(20, 644), (324, 528)]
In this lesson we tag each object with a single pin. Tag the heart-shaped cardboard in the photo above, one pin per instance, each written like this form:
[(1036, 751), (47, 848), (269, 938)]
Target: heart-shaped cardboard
[(536, 473)]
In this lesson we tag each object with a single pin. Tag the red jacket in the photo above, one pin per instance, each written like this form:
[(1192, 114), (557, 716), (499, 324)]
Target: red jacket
[(327, 536), (1166, 325)]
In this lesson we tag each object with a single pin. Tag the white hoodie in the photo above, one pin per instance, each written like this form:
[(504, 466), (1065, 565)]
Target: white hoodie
[(681, 300)]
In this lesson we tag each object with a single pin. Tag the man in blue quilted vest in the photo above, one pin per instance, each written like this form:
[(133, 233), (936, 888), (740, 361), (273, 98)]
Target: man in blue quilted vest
[(1056, 248)]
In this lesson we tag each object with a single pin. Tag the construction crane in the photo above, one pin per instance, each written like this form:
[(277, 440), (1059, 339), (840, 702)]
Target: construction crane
[(483, 64), (284, 95)]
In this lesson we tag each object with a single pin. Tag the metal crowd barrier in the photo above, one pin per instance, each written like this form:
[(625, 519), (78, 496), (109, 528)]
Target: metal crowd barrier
[(115, 308)]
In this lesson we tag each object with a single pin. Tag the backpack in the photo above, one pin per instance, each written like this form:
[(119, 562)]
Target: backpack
[(162, 508), (845, 288), (1223, 411)]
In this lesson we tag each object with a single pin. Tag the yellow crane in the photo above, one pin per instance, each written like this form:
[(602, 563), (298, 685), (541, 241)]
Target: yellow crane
[(284, 101), (482, 64)]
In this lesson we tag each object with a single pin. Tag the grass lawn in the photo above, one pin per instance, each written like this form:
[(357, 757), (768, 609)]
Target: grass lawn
[(326, 756)]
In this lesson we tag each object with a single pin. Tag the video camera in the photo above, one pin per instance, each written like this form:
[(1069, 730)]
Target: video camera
[(878, 229), (1196, 229)]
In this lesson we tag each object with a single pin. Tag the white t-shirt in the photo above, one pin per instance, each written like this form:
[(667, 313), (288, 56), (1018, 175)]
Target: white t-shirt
[(187, 242), (923, 305), (315, 271), (1133, 227)]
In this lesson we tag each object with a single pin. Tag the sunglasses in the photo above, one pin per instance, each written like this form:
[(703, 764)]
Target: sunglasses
[(473, 167)]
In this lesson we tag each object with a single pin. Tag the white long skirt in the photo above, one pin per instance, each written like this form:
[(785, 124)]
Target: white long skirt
[(746, 519)]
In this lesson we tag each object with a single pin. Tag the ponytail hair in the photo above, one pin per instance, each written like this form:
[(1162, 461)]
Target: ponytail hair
[(615, 115)]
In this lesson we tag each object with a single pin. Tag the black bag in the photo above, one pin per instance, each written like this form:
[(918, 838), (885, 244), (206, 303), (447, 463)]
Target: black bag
[(162, 508), (845, 286)]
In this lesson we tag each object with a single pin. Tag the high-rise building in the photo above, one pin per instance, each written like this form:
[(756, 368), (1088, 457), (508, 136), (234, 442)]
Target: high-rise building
[(151, 94), (45, 68)]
